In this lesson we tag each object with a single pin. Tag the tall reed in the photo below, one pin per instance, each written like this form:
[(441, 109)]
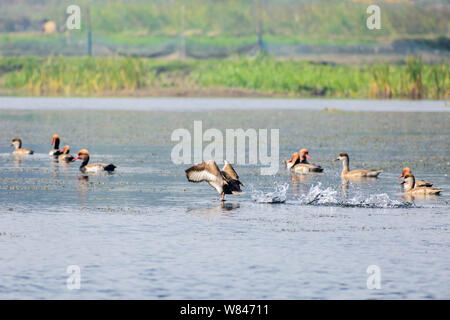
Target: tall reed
[(414, 71), (63, 76), (381, 83)]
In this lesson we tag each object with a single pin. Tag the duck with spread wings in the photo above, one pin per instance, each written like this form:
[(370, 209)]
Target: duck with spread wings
[(225, 181)]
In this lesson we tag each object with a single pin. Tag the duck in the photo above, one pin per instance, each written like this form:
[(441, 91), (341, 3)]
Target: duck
[(55, 143), (299, 163), (347, 174), (19, 151), (419, 183), (411, 188), (83, 155), (225, 181), (64, 155)]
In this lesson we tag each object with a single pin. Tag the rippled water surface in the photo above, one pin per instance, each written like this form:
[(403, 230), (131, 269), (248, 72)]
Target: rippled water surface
[(145, 232)]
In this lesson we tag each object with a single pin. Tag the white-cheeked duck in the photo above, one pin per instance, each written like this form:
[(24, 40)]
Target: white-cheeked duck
[(18, 150), (299, 163), (225, 181), (349, 174), (83, 155)]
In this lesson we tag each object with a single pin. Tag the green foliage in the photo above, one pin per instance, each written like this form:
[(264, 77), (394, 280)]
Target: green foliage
[(111, 76), (76, 76), (333, 20)]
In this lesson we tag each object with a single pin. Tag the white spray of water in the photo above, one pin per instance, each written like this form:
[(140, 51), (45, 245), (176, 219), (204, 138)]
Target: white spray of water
[(318, 196), (330, 197), (277, 196)]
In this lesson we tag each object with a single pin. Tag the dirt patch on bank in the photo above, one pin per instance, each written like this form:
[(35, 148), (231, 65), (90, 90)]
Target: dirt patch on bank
[(162, 92)]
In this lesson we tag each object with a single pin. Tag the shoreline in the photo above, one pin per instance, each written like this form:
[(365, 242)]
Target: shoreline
[(158, 92), (199, 104)]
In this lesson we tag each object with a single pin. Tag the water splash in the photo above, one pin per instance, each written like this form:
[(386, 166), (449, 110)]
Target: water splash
[(277, 196), (317, 196), (330, 197)]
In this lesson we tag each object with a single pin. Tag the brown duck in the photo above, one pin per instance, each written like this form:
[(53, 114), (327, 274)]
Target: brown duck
[(19, 151), (225, 181), (347, 174)]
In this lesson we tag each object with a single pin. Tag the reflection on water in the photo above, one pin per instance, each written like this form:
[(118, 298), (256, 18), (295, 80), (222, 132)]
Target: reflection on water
[(223, 207), (300, 182), (412, 198), (145, 232)]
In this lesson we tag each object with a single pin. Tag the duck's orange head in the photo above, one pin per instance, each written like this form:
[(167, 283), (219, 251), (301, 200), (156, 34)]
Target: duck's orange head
[(406, 171), (54, 139), (409, 178), (65, 150), (304, 153), (294, 158), (83, 154)]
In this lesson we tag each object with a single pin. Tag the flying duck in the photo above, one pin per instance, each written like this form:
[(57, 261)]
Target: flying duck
[(225, 181)]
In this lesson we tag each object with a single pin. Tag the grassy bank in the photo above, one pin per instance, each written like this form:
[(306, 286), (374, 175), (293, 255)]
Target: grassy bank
[(319, 19), (64, 76)]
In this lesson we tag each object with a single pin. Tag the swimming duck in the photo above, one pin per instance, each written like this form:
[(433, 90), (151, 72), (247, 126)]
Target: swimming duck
[(64, 155), (299, 163), (410, 187), (225, 181), (83, 155), (419, 183), (19, 151), (55, 143), (347, 174)]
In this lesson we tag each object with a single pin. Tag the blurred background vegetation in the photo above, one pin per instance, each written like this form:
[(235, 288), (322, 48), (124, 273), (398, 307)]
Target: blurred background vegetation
[(271, 47)]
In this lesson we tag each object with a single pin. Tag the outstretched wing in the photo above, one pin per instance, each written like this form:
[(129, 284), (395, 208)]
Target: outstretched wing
[(229, 171), (231, 176), (206, 171)]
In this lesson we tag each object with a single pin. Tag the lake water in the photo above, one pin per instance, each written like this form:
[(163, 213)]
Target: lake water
[(145, 232)]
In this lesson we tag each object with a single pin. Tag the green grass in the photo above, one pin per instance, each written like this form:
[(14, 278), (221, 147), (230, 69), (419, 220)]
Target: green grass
[(336, 20), (28, 37), (132, 39), (99, 76)]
